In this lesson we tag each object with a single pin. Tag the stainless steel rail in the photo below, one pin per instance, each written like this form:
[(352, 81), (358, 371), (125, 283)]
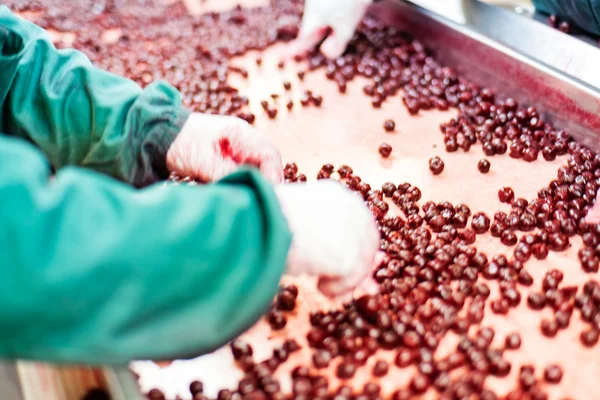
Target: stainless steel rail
[(518, 57)]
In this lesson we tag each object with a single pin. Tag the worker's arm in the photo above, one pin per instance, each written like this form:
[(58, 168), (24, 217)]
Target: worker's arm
[(80, 115), (92, 270), (584, 14)]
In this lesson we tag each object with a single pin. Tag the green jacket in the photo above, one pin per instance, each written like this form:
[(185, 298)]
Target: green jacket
[(583, 13), (91, 269)]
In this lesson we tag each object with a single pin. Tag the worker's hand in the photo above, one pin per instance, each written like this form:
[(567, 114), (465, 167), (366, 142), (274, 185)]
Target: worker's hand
[(210, 147), (334, 234), (342, 16)]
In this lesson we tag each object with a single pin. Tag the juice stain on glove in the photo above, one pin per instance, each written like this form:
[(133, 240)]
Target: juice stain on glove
[(210, 147)]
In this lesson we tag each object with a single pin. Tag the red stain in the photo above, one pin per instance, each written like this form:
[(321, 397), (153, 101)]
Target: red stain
[(253, 161), (236, 155), (225, 147), (227, 151)]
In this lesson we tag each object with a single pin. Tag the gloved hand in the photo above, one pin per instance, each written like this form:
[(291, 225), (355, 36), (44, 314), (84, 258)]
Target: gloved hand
[(334, 234), (210, 147), (342, 16)]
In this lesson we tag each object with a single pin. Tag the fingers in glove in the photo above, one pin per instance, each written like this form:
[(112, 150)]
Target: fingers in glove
[(335, 45), (193, 162), (245, 147), (368, 286), (213, 164), (307, 40), (342, 32), (212, 168), (313, 28), (340, 286), (332, 286), (272, 169), (267, 159)]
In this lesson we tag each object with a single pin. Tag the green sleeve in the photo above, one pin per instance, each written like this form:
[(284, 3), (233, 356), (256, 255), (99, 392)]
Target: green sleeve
[(584, 14), (93, 270), (80, 115)]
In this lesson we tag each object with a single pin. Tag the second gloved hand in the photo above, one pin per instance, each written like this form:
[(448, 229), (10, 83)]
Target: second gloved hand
[(342, 16), (335, 236), (209, 147)]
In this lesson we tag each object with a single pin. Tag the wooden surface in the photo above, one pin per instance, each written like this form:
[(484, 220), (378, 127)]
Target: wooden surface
[(43, 381), (346, 130)]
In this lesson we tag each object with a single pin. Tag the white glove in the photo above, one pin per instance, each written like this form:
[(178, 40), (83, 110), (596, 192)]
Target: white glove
[(210, 147), (342, 16), (334, 234)]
